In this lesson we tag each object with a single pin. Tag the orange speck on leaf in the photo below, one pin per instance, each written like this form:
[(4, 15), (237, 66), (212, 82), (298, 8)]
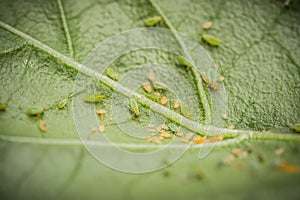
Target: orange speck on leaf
[(289, 168), (199, 140)]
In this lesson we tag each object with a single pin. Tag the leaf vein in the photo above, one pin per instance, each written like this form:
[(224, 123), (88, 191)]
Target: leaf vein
[(66, 29)]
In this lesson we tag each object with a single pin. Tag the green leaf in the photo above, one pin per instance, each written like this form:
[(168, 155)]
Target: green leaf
[(45, 44)]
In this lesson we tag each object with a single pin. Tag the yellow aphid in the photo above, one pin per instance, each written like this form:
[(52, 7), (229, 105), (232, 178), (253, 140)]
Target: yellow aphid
[(165, 135), (157, 94), (229, 159), (189, 135), (238, 152), (163, 101), (101, 129), (176, 105), (157, 140), (147, 87), (42, 126), (214, 86), (279, 151), (215, 139), (288, 168), (199, 140), (230, 127), (101, 114), (206, 80), (221, 78), (162, 127), (150, 77), (224, 116), (94, 129), (207, 25)]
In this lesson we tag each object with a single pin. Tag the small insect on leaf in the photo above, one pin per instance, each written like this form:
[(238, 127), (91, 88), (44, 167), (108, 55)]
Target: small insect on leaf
[(221, 78), (211, 40), (159, 86), (101, 128), (35, 111), (172, 128), (165, 135), (134, 108), (239, 153), (62, 103), (224, 116), (296, 128), (207, 25), (186, 112), (153, 21), (101, 114), (112, 74), (288, 168), (206, 80), (279, 152), (184, 61), (93, 98), (163, 100), (150, 77), (3, 107), (230, 127), (199, 140), (215, 139), (214, 86), (152, 96), (147, 87), (42, 126), (176, 104)]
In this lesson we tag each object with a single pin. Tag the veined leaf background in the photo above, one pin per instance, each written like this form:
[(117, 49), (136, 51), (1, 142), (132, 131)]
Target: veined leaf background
[(258, 56)]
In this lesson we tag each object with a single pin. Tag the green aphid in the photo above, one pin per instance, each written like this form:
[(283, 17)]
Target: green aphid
[(134, 107), (296, 128), (3, 107), (152, 96), (183, 61), (186, 112), (35, 111), (62, 103), (211, 40), (172, 127), (153, 21), (93, 98), (112, 74), (158, 86)]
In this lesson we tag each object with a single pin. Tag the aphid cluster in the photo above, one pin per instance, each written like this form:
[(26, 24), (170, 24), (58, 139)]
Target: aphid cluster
[(155, 90)]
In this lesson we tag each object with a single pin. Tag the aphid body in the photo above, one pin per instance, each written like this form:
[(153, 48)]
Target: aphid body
[(153, 21)]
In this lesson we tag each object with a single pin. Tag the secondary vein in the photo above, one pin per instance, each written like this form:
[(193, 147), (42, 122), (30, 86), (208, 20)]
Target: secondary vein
[(66, 29)]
